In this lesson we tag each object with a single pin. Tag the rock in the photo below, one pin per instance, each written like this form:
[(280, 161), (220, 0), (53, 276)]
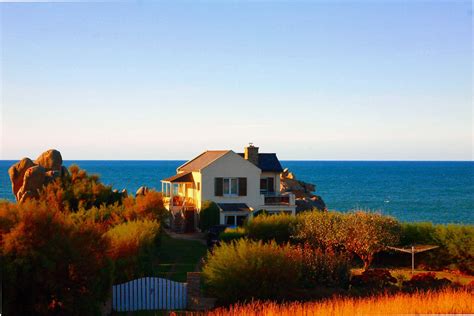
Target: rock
[(124, 193), (143, 190), (17, 173), (305, 199), (34, 180), (50, 160), (29, 177)]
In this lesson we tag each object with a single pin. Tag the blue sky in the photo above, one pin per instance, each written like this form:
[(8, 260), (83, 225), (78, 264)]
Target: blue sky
[(308, 80)]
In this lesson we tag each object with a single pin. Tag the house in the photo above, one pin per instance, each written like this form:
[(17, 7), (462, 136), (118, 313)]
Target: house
[(239, 183)]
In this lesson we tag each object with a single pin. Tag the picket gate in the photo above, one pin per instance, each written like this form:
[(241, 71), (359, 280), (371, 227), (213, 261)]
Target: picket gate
[(149, 293)]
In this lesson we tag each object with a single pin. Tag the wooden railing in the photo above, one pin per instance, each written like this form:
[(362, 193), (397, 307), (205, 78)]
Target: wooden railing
[(277, 199)]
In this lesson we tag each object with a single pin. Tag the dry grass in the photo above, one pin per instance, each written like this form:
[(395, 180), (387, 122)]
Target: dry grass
[(444, 302)]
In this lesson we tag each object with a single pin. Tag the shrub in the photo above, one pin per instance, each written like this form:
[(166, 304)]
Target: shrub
[(209, 215), (230, 234), (52, 265), (329, 269), (149, 206), (78, 190), (368, 233), (325, 230), (247, 269), (374, 280), (425, 281), (272, 227), (132, 247), (456, 244)]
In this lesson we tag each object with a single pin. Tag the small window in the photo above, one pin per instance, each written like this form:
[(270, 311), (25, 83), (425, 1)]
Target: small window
[(231, 186), (198, 186)]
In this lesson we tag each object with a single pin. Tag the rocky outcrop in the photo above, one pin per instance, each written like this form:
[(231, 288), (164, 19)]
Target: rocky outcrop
[(303, 191), (29, 177), (142, 191)]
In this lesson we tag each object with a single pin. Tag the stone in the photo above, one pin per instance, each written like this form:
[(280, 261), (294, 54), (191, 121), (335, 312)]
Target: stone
[(143, 190), (305, 199), (28, 177), (50, 160), (17, 173)]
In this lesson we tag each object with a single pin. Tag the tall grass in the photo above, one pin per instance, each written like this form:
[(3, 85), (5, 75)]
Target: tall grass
[(443, 302)]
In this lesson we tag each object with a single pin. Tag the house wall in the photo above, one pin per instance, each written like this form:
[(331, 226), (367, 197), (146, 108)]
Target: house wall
[(197, 193), (276, 179), (234, 166)]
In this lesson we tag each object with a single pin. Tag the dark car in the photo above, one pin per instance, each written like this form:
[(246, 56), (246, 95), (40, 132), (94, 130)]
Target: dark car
[(213, 235)]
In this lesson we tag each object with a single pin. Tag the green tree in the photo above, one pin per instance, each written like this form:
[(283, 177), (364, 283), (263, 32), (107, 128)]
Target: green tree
[(209, 215)]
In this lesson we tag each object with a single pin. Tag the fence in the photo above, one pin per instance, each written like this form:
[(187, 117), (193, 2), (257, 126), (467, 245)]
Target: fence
[(149, 294)]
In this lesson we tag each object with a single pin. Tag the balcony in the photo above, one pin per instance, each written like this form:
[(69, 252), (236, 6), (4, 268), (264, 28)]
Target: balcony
[(279, 199)]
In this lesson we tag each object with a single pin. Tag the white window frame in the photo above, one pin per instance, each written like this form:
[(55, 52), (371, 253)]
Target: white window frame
[(229, 192)]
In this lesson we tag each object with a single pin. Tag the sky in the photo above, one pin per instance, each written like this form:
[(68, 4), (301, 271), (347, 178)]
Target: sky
[(312, 80)]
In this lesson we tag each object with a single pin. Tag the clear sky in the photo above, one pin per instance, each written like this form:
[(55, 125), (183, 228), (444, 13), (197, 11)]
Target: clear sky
[(309, 80)]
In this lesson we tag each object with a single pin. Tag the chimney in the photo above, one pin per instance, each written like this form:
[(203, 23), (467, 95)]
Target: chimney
[(251, 154)]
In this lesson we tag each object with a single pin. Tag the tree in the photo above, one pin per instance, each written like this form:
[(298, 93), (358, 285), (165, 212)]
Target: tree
[(367, 233), (52, 265), (209, 215)]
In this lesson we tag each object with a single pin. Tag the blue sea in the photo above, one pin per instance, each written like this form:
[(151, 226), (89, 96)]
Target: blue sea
[(440, 192)]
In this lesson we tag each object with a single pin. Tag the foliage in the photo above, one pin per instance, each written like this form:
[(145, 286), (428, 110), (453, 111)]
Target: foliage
[(247, 269), (209, 215), (448, 301), (78, 190), (425, 281), (51, 265), (325, 230), (271, 227), (132, 247), (369, 233), (373, 281), (321, 268), (456, 244), (230, 234)]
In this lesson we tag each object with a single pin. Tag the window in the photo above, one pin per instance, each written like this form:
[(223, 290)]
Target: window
[(231, 186), (267, 185), (199, 186), (241, 220), (230, 220)]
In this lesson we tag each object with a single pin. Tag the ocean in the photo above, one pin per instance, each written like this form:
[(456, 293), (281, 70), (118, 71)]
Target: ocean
[(440, 192)]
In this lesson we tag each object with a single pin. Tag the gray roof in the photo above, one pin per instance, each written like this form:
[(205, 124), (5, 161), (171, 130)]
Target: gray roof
[(234, 207), (180, 177), (268, 162)]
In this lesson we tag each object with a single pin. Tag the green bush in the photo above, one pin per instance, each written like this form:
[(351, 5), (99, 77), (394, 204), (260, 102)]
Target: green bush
[(133, 245), (325, 230), (319, 268), (245, 269), (456, 244), (271, 227), (230, 234), (209, 215)]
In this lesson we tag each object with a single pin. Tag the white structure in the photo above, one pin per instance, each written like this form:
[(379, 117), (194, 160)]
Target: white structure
[(240, 184)]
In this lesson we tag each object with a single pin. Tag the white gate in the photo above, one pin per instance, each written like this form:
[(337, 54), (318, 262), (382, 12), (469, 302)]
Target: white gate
[(149, 294)]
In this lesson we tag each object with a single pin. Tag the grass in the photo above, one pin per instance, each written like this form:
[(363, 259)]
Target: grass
[(176, 257), (406, 275), (447, 302)]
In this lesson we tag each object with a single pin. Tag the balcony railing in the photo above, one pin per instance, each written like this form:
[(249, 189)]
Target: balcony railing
[(277, 199)]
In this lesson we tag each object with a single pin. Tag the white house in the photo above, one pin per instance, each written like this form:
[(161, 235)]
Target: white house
[(239, 183)]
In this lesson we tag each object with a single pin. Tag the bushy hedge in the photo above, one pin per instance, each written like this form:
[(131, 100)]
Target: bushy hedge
[(230, 234), (209, 215), (456, 244), (271, 227), (247, 269), (132, 247)]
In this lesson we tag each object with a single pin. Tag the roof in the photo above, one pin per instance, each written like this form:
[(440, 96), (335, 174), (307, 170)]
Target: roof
[(181, 177), (202, 160), (268, 162), (234, 207)]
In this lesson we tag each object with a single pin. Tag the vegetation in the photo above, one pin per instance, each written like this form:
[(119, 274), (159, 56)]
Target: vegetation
[(442, 302), (50, 263), (279, 228), (230, 234), (209, 215), (247, 269)]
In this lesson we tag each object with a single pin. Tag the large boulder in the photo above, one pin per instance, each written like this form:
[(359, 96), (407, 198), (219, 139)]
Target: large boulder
[(17, 173), (305, 199), (29, 177), (143, 190), (50, 160)]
